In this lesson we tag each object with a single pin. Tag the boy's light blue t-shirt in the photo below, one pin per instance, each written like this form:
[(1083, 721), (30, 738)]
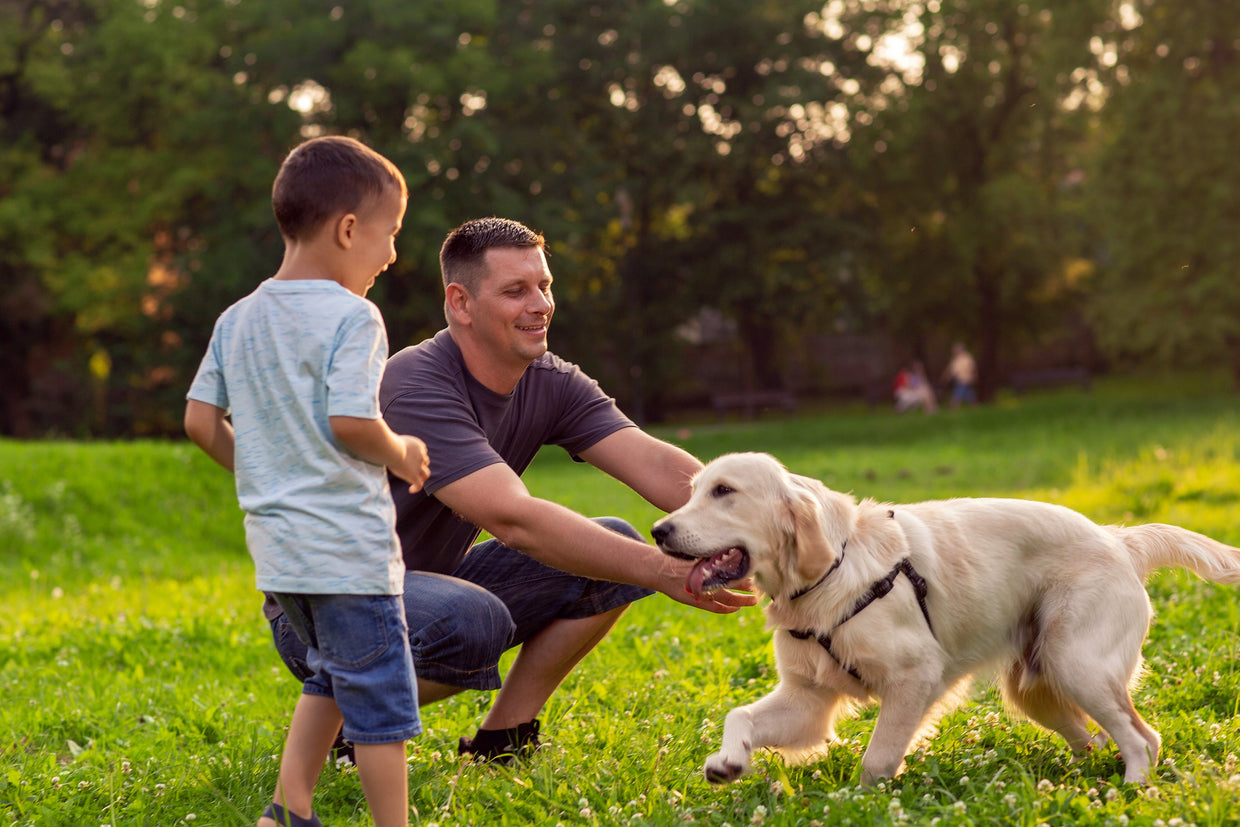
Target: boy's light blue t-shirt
[(283, 360)]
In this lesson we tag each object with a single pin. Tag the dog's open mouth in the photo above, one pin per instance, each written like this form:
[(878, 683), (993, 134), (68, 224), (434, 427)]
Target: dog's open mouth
[(717, 571)]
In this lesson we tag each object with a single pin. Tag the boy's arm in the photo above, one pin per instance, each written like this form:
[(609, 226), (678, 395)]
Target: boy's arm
[(211, 431), (373, 441)]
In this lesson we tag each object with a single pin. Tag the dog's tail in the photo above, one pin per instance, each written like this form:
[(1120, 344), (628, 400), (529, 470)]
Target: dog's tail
[(1157, 545)]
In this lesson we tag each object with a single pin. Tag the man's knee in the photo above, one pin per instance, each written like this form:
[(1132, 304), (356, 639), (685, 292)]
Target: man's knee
[(458, 636), (619, 526)]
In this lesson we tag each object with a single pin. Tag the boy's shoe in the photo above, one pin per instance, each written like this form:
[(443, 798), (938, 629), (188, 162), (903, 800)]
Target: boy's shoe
[(501, 745), (285, 818)]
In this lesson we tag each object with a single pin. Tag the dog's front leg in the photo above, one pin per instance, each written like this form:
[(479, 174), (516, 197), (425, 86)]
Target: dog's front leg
[(900, 718), (791, 717)]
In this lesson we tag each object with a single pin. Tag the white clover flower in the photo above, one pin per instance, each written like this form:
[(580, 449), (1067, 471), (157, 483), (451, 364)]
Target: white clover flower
[(1009, 800), (960, 807), (1045, 786)]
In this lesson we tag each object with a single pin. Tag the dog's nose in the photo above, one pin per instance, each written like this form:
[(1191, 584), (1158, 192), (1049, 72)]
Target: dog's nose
[(661, 532)]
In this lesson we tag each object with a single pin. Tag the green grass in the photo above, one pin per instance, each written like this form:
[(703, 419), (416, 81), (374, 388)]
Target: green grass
[(140, 685)]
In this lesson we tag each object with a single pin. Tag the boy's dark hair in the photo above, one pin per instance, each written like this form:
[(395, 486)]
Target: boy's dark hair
[(460, 257), (323, 177)]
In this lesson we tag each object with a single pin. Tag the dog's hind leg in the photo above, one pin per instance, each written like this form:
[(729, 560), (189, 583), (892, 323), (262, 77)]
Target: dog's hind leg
[(1137, 741), (1028, 693), (795, 718), (1091, 662)]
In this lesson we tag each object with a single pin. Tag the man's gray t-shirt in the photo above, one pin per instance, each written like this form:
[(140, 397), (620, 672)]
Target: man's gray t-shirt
[(427, 392)]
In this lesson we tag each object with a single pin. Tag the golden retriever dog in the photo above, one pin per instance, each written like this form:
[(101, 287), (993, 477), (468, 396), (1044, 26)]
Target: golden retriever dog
[(903, 604)]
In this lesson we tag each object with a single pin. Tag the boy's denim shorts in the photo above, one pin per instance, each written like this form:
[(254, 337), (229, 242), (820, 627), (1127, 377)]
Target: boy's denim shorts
[(358, 654), (461, 624)]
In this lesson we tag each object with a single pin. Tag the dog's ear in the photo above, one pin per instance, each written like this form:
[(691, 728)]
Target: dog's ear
[(813, 555)]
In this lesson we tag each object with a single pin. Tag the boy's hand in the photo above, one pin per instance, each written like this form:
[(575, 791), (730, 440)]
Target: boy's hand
[(416, 466)]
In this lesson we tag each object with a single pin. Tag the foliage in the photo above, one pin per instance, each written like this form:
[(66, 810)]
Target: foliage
[(142, 688), (972, 142), (930, 171), (1167, 184)]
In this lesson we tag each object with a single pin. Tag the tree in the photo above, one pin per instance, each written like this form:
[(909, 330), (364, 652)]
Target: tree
[(110, 111), (673, 161), (972, 141), (1167, 187)]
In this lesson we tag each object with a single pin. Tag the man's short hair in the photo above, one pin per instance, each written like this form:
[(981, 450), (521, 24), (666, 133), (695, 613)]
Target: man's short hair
[(329, 176), (461, 256)]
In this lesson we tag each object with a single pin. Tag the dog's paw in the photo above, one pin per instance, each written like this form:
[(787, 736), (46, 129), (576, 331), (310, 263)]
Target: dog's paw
[(719, 770)]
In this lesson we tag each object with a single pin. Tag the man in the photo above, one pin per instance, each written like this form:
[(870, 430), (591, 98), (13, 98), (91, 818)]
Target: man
[(485, 394), (961, 372)]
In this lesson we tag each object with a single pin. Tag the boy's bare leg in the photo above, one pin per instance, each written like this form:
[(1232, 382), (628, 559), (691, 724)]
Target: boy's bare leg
[(310, 736), (385, 781), (543, 663)]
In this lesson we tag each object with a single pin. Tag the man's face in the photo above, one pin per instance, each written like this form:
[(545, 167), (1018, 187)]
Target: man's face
[(513, 305)]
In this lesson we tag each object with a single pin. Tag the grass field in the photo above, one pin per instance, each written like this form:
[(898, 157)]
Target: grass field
[(141, 688)]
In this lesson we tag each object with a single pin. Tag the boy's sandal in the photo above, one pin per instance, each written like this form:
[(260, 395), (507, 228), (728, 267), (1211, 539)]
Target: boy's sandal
[(284, 818)]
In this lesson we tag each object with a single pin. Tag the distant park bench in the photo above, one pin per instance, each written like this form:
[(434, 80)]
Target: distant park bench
[(751, 403), (1023, 380)]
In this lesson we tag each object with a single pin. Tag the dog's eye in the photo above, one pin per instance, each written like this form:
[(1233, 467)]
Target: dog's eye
[(720, 490)]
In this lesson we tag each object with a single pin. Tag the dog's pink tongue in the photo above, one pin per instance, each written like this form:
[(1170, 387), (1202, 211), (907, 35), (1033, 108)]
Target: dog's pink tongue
[(703, 570), (694, 583)]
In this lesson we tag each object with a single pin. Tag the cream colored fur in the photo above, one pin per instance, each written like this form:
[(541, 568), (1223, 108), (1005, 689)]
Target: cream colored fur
[(1037, 593)]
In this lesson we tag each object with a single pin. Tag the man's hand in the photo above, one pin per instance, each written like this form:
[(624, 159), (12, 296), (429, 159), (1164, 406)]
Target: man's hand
[(674, 574), (724, 601)]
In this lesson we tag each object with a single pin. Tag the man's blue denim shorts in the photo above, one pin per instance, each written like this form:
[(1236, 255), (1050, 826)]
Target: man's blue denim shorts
[(358, 652)]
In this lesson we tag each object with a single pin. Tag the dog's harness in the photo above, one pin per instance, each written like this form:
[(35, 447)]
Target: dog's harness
[(877, 591)]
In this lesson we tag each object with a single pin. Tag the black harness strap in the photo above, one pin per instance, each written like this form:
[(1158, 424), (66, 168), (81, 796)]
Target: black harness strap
[(807, 589), (877, 591), (825, 642)]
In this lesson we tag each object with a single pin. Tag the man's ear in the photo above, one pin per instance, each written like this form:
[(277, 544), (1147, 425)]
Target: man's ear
[(457, 300)]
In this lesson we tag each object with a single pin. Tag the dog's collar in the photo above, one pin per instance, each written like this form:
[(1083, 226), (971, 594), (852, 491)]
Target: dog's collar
[(807, 589)]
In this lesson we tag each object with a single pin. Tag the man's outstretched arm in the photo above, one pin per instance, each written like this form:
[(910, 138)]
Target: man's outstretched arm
[(495, 499)]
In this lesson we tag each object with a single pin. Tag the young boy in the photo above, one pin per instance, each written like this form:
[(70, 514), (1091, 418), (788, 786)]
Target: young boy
[(297, 364)]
